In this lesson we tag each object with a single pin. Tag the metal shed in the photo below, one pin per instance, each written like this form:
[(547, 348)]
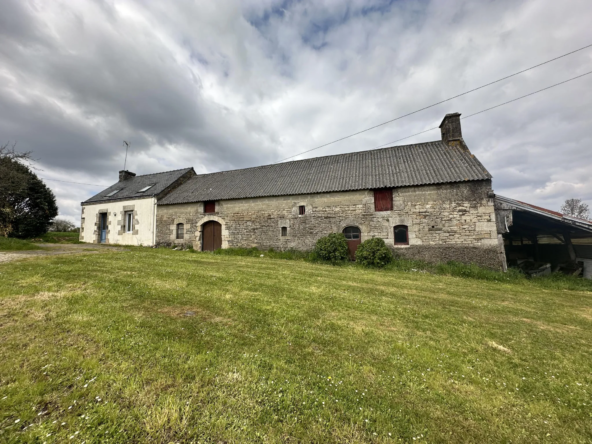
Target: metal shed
[(541, 235)]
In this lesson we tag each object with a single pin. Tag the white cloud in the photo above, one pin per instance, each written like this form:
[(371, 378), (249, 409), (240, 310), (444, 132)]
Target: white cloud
[(228, 84)]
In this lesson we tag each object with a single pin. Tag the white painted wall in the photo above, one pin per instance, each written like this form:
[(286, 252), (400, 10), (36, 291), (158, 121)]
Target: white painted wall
[(144, 222)]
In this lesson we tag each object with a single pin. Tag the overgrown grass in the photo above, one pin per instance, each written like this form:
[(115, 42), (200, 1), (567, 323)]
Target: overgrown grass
[(272, 254), (12, 244), (155, 345), (55, 237), (557, 281)]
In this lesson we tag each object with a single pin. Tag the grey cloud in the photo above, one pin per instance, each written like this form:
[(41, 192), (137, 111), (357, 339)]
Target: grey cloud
[(220, 85)]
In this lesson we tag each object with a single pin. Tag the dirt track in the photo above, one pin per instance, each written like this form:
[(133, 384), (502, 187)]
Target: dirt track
[(56, 249)]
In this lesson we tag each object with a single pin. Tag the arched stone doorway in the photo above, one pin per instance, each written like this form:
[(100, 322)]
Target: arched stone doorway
[(211, 237)]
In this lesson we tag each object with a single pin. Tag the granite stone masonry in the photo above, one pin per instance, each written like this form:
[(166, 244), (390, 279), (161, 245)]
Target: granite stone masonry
[(445, 221)]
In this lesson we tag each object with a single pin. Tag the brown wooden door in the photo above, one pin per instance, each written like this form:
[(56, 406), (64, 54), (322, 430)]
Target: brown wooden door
[(353, 246), (353, 236), (211, 236)]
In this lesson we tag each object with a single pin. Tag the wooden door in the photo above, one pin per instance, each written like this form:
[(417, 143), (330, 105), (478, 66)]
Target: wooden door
[(211, 236), (353, 236)]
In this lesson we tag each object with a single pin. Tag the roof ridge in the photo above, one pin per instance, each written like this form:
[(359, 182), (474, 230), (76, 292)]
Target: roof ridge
[(269, 165), (162, 172)]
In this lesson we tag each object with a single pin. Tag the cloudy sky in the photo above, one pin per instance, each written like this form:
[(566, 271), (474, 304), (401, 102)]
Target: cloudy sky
[(227, 84)]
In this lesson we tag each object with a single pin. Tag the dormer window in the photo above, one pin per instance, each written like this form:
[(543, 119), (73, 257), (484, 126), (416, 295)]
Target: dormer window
[(146, 188), (112, 193)]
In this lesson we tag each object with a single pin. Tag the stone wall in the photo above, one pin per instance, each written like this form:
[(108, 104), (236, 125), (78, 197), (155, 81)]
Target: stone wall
[(445, 222)]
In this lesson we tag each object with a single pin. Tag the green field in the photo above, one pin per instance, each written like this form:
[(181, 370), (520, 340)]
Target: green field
[(56, 237), (154, 345), (12, 244)]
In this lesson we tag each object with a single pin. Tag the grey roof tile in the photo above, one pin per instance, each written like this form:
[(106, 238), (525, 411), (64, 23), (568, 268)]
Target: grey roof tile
[(399, 166), (128, 189)]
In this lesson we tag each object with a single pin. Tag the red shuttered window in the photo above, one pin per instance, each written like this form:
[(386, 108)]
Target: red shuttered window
[(383, 200), (209, 207)]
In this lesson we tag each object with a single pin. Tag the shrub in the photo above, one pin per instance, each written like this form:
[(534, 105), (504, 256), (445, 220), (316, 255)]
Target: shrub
[(332, 248), (373, 253)]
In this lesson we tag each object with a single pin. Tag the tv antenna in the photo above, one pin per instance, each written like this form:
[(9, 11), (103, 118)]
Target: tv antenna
[(126, 147)]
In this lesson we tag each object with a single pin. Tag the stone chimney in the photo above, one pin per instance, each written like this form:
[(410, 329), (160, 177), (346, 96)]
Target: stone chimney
[(125, 175), (451, 131)]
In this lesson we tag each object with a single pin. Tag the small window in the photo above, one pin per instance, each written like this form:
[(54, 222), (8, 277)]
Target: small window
[(129, 221), (301, 210), (112, 193), (284, 231), (383, 200), (210, 207), (180, 231), (401, 235), (146, 188), (352, 233)]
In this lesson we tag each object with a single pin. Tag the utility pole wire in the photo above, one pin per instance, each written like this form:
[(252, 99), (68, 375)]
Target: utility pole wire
[(493, 107), (437, 103), (421, 132)]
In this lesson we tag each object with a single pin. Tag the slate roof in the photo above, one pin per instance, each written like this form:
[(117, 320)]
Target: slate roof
[(399, 166), (128, 189)]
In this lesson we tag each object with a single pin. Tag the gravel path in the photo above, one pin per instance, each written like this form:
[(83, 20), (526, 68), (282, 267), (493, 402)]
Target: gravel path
[(56, 249)]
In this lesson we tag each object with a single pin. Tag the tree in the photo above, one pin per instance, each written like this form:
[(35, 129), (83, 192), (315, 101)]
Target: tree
[(62, 226), (27, 205), (576, 208)]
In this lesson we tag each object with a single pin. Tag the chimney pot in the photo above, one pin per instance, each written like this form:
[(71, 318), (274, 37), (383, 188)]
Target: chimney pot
[(125, 175), (450, 128)]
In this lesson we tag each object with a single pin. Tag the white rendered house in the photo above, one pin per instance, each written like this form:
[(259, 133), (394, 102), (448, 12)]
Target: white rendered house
[(125, 213)]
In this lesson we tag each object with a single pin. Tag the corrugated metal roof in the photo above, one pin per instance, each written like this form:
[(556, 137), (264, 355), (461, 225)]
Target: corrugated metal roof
[(399, 166), (129, 189), (523, 206)]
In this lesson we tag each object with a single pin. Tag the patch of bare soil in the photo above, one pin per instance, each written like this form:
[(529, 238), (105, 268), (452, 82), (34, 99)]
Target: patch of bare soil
[(56, 249)]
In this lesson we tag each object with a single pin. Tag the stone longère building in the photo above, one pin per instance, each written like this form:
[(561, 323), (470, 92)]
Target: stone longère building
[(432, 201)]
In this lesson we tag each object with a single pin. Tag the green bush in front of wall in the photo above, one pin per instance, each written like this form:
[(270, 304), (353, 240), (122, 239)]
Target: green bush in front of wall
[(332, 248), (374, 253)]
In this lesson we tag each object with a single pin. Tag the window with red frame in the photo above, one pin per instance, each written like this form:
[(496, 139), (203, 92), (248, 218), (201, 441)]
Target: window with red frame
[(301, 210), (383, 200), (210, 207)]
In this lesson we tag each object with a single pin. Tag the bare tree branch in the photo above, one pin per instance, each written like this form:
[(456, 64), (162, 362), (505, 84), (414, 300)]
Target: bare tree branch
[(576, 208)]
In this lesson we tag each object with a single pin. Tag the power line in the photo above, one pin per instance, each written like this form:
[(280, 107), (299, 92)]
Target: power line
[(79, 183), (437, 103), (493, 107)]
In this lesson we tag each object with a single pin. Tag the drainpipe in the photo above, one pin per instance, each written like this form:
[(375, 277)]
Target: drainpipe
[(154, 210)]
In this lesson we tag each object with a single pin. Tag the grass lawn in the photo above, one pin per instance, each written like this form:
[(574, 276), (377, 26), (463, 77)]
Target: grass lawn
[(56, 237), (12, 244), (154, 345)]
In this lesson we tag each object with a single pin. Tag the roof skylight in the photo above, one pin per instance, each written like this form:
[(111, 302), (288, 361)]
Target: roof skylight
[(112, 193), (146, 188)]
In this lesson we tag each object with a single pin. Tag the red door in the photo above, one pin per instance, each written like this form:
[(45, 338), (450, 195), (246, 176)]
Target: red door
[(353, 236), (211, 236)]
